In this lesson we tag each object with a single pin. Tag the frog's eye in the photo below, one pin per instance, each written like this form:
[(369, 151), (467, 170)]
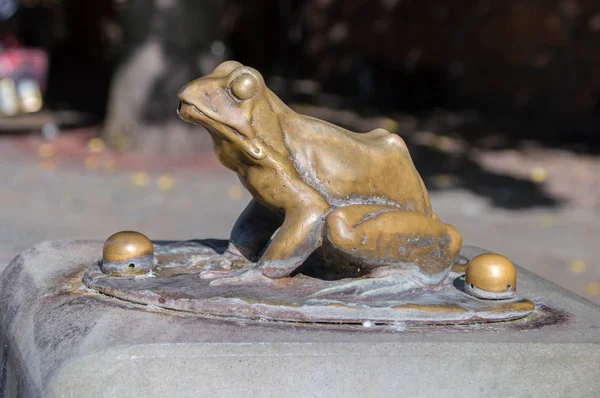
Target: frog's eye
[(244, 87)]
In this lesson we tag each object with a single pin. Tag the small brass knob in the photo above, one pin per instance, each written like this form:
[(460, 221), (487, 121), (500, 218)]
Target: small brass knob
[(127, 253), (491, 276)]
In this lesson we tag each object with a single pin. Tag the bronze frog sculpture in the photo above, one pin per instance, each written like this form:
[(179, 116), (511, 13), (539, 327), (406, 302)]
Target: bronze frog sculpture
[(353, 200), (340, 229)]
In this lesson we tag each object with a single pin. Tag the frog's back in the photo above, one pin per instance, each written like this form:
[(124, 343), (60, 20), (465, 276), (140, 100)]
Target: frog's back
[(348, 167)]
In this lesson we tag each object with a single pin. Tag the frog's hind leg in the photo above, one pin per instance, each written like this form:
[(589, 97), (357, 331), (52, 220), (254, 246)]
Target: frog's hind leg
[(369, 286), (383, 236), (398, 250)]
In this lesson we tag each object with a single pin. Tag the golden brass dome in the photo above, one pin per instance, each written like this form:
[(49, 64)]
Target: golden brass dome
[(127, 253), (491, 276)]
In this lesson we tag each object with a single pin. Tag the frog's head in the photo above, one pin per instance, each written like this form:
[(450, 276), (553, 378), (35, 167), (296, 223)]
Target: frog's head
[(232, 103)]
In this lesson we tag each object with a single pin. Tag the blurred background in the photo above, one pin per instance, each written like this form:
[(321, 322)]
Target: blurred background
[(499, 102)]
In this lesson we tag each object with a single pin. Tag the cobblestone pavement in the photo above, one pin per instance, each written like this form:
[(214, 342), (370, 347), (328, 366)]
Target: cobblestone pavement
[(50, 193)]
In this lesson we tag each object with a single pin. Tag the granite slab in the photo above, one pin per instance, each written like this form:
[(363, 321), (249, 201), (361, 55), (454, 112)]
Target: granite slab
[(61, 339)]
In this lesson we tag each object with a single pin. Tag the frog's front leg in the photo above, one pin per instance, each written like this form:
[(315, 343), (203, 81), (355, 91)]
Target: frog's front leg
[(299, 236), (249, 236)]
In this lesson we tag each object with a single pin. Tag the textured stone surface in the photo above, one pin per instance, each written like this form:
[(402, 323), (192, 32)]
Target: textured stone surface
[(174, 285), (59, 339)]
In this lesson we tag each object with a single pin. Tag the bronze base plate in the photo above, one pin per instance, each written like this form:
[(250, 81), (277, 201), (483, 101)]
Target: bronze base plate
[(175, 285)]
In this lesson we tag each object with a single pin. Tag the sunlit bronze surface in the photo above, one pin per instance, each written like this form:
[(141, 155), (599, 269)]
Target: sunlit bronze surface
[(127, 253), (491, 276), (340, 228), (354, 200), (174, 285)]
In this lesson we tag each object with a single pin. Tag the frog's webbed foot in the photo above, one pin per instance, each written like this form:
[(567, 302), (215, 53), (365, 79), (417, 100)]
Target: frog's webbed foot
[(373, 287), (240, 277), (244, 276), (223, 262)]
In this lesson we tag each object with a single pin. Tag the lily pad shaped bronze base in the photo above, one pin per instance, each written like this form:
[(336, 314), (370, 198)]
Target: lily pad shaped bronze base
[(175, 285)]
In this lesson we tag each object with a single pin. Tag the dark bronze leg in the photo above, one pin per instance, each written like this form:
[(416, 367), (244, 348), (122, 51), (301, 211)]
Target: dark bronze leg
[(253, 229)]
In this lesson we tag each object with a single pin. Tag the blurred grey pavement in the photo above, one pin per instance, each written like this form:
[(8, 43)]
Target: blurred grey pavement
[(45, 198)]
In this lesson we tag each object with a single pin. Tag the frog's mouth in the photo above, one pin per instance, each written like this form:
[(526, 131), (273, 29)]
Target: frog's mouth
[(191, 114)]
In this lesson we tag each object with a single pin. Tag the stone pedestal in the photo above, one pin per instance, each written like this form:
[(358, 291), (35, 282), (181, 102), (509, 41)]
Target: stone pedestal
[(58, 338)]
